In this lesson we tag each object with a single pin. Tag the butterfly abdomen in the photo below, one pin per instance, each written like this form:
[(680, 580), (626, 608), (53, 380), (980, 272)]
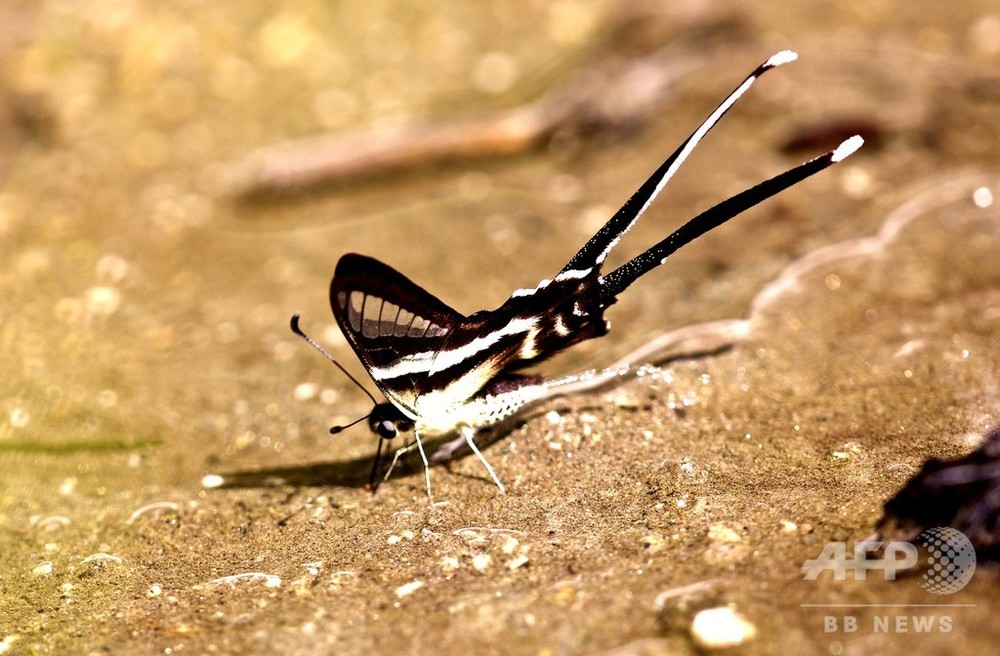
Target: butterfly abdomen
[(486, 409)]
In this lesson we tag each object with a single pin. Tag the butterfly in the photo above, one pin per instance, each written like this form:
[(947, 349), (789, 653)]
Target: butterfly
[(445, 373)]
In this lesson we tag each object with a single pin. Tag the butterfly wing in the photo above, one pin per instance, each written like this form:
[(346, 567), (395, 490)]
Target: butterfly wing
[(394, 326)]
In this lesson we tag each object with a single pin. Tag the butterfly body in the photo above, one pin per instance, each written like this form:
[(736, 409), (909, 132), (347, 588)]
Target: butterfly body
[(444, 373), (482, 410)]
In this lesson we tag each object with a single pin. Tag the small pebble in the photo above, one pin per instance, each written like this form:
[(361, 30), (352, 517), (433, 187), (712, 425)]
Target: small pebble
[(408, 588), (53, 523), (722, 533), (481, 561), (516, 562), (627, 402), (718, 628), (653, 543), (99, 559), (725, 546), (212, 481), (42, 569), (269, 580)]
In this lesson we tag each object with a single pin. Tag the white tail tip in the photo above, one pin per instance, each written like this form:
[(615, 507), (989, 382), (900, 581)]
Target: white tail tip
[(847, 148), (780, 58)]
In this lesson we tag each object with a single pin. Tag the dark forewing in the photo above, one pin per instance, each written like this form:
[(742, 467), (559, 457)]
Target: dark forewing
[(387, 317)]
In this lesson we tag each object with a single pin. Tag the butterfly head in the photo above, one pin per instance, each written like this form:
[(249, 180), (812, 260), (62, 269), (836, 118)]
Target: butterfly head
[(387, 421)]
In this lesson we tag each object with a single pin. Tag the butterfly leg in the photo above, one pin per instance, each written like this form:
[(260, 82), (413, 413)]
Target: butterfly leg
[(427, 466), (402, 451), (399, 453), (468, 433), (375, 463)]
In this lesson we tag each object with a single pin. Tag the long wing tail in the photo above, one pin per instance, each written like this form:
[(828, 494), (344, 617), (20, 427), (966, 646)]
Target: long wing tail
[(596, 250), (618, 280)]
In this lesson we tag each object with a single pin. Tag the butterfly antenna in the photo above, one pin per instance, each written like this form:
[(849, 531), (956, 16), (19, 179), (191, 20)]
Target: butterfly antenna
[(315, 345), (339, 427)]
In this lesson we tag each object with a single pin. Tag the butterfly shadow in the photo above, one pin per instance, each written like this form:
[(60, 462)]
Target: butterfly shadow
[(442, 452), (349, 473)]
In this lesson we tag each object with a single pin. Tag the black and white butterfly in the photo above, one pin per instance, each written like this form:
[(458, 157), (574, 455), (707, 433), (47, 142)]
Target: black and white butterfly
[(446, 373)]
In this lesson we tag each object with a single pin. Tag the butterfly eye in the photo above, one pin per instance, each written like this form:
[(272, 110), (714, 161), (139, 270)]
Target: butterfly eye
[(386, 429)]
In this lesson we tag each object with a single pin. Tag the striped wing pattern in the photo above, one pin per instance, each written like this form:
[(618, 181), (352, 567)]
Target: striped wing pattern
[(375, 317), (389, 319)]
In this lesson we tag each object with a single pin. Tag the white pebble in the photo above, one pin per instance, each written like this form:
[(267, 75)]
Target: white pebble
[(212, 481), (408, 588), (42, 569), (516, 562), (717, 628), (481, 561), (52, 523), (102, 557)]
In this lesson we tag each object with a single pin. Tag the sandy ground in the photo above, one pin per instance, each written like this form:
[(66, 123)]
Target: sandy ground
[(143, 319)]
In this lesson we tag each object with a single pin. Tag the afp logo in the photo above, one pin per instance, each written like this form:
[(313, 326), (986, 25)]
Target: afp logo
[(951, 560), (948, 565)]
